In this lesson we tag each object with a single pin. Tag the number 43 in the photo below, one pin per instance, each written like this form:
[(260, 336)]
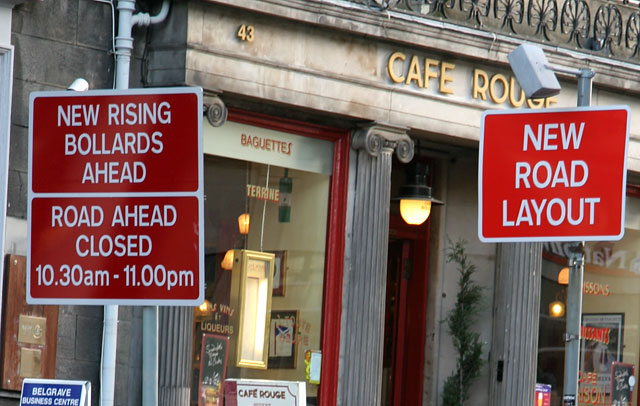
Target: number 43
[(245, 33)]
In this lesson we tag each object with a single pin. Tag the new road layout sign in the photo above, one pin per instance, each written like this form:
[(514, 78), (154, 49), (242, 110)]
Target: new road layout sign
[(115, 199), (553, 175)]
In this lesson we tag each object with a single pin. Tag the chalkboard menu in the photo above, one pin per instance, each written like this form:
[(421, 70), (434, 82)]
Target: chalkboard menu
[(213, 365), (622, 381)]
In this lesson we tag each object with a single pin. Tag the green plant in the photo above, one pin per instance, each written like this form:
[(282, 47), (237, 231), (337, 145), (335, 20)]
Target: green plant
[(460, 320)]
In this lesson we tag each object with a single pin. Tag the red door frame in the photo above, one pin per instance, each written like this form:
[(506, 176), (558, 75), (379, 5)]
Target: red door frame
[(409, 367), (336, 221), (399, 346)]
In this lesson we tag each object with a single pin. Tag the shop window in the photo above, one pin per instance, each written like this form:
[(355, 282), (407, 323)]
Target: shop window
[(610, 313), (267, 224)]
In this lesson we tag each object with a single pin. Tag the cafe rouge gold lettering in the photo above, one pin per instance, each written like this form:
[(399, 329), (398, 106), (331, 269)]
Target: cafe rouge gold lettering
[(437, 75), (420, 72)]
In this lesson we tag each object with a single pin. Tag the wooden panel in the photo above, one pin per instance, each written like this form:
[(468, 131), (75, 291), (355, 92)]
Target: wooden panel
[(14, 306)]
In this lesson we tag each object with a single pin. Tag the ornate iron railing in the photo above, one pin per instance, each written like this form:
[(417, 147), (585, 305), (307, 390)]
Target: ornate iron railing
[(606, 28)]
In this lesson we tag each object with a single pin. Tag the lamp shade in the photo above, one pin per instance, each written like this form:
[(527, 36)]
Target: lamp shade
[(415, 195), (414, 211), (563, 276), (227, 261), (243, 223)]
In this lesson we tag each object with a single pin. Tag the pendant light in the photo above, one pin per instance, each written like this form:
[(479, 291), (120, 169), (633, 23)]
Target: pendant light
[(227, 261), (415, 195), (243, 223), (563, 276)]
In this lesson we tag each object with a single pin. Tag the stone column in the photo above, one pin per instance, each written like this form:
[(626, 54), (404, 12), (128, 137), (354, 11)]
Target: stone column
[(364, 287), (514, 347), (174, 355), (175, 325)]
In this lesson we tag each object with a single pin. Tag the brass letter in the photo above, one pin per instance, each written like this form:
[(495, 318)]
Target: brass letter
[(505, 88), (535, 103), (477, 89), (414, 72), (428, 74), (392, 60), (512, 96), (444, 78)]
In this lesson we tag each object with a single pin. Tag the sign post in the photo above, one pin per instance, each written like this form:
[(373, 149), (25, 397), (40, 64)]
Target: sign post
[(555, 175), (116, 198), (576, 273)]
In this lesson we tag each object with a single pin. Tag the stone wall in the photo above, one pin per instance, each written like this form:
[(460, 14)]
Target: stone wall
[(54, 43)]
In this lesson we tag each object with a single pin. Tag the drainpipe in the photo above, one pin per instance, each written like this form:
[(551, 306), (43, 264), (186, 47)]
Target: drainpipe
[(124, 46)]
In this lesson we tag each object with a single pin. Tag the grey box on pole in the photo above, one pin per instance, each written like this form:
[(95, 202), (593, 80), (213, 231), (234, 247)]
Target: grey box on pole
[(532, 70)]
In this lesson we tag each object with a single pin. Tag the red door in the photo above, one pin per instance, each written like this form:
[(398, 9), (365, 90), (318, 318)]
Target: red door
[(405, 313)]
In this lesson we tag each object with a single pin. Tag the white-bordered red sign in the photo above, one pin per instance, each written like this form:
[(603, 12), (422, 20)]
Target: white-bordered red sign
[(115, 200), (553, 175)]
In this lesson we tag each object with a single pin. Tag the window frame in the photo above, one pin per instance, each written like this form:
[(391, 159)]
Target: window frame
[(335, 240)]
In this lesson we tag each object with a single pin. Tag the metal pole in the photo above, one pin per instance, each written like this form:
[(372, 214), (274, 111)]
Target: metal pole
[(574, 315), (584, 87), (576, 274), (150, 355), (124, 47)]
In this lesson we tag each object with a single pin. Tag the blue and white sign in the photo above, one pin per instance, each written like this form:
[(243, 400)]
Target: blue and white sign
[(52, 392)]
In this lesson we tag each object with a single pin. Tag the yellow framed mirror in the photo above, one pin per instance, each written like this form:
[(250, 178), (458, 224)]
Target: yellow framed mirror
[(251, 286)]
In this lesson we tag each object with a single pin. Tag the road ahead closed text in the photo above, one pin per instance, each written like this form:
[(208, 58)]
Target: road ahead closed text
[(554, 175)]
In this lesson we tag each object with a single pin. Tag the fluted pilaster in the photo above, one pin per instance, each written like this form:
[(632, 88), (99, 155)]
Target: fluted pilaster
[(174, 355), (515, 331), (364, 289)]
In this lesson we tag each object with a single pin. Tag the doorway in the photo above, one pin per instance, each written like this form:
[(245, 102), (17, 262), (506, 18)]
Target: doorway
[(405, 313)]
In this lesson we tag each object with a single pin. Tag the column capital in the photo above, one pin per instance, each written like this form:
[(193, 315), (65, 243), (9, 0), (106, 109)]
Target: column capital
[(215, 109), (374, 137)]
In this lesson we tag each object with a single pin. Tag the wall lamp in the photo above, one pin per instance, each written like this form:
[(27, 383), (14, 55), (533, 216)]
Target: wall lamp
[(556, 309), (415, 195), (79, 85)]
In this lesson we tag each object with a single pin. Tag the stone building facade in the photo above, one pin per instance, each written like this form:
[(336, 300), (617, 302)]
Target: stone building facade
[(381, 84)]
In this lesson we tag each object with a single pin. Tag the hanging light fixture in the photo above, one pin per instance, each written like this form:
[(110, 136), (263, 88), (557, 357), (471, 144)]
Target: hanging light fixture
[(243, 223), (415, 196), (563, 276), (556, 309), (227, 261), (204, 310), (284, 207)]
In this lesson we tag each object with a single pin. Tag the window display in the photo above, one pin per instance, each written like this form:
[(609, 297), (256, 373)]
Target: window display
[(265, 237), (610, 315)]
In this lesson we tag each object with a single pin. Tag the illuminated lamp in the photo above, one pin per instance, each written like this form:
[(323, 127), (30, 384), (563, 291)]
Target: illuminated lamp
[(415, 196), (205, 307), (250, 293), (563, 276), (243, 223), (227, 261), (204, 310), (556, 309)]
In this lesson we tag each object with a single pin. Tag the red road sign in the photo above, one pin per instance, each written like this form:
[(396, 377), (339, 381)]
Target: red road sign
[(116, 197), (553, 175), (115, 142)]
